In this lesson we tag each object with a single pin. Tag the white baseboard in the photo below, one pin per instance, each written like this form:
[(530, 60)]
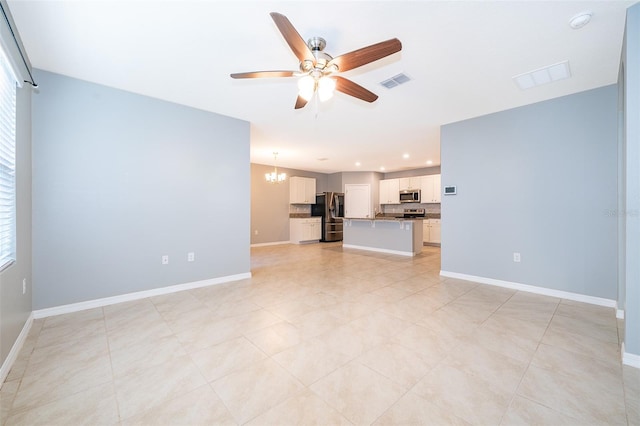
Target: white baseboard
[(631, 360), (379, 250), (305, 242), (275, 243), (15, 350), (97, 303), (534, 289)]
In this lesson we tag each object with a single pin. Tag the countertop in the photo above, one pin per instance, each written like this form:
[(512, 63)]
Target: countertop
[(386, 218), (396, 216)]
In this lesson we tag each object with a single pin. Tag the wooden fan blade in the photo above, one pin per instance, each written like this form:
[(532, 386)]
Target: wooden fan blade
[(353, 89), (292, 37), (263, 74), (300, 102), (363, 56)]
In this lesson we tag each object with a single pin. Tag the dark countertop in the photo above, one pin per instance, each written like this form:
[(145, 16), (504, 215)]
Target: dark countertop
[(386, 218), (392, 216)]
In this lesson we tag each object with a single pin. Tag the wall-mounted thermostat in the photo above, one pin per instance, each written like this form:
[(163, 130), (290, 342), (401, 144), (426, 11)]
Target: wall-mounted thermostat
[(449, 190)]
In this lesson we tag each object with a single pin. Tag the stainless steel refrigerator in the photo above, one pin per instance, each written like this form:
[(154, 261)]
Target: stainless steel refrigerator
[(330, 206)]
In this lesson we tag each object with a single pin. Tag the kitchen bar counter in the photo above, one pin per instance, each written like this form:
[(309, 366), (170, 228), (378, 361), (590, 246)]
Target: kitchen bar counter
[(392, 235), (401, 216)]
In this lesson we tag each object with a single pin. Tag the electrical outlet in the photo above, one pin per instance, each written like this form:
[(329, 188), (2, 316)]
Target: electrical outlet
[(191, 256), (24, 286), (516, 257), (255, 232), (165, 260)]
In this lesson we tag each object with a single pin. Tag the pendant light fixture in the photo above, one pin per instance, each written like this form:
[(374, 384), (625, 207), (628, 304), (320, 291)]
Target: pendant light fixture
[(274, 176)]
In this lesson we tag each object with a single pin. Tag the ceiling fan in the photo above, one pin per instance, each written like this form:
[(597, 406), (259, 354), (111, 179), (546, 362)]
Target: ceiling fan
[(318, 70)]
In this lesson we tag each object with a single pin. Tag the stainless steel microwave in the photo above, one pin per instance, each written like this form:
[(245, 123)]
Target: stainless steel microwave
[(410, 196)]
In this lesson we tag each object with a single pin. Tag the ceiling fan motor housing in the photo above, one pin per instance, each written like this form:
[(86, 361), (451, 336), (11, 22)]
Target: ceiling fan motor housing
[(317, 45)]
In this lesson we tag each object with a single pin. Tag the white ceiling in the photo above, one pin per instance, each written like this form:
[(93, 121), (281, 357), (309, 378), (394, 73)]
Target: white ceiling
[(461, 56)]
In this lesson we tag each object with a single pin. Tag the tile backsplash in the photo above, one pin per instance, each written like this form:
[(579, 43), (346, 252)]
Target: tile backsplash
[(399, 208), (300, 208)]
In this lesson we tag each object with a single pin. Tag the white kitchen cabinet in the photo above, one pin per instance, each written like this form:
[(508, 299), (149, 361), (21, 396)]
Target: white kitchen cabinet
[(390, 191), (431, 231), (414, 182), (302, 190), (302, 230), (431, 189), (434, 230)]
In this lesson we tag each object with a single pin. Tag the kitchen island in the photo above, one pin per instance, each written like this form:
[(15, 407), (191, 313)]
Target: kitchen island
[(386, 235)]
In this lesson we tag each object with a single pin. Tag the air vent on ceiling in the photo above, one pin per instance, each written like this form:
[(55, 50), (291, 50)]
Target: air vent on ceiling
[(396, 80), (544, 75)]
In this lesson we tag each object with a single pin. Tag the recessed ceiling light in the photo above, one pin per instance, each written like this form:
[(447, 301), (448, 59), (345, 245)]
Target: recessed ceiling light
[(580, 20), (405, 156), (429, 162), (358, 163), (323, 159), (382, 168)]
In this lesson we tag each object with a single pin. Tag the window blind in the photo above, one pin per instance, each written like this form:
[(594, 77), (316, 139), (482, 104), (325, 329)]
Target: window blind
[(7, 163)]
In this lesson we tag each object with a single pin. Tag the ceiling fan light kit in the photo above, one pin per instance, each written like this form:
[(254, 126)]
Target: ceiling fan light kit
[(318, 70)]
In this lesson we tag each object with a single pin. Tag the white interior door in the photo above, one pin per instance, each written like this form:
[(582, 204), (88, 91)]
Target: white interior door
[(357, 200)]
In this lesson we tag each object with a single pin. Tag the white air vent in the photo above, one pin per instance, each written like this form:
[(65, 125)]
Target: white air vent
[(396, 80), (544, 75)]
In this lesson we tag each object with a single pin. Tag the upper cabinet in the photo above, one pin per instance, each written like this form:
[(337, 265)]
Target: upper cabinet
[(390, 191), (302, 190), (431, 189), (428, 185), (410, 183)]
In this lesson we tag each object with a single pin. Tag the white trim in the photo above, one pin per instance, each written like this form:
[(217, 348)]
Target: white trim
[(620, 313), (534, 289), (380, 250), (305, 242), (97, 303), (15, 349), (275, 243), (632, 360)]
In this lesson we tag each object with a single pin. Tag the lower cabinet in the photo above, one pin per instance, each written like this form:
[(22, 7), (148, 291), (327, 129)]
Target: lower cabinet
[(434, 230), (305, 230), (431, 231)]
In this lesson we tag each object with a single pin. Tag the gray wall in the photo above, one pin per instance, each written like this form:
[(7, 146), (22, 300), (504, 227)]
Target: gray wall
[(630, 214), (335, 182), (120, 180), (539, 180), (415, 172), (270, 203), (15, 307)]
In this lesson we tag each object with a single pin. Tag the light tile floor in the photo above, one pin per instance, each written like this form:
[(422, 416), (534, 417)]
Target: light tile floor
[(322, 335)]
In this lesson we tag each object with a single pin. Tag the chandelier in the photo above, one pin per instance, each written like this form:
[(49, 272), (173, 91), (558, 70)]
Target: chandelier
[(274, 176)]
